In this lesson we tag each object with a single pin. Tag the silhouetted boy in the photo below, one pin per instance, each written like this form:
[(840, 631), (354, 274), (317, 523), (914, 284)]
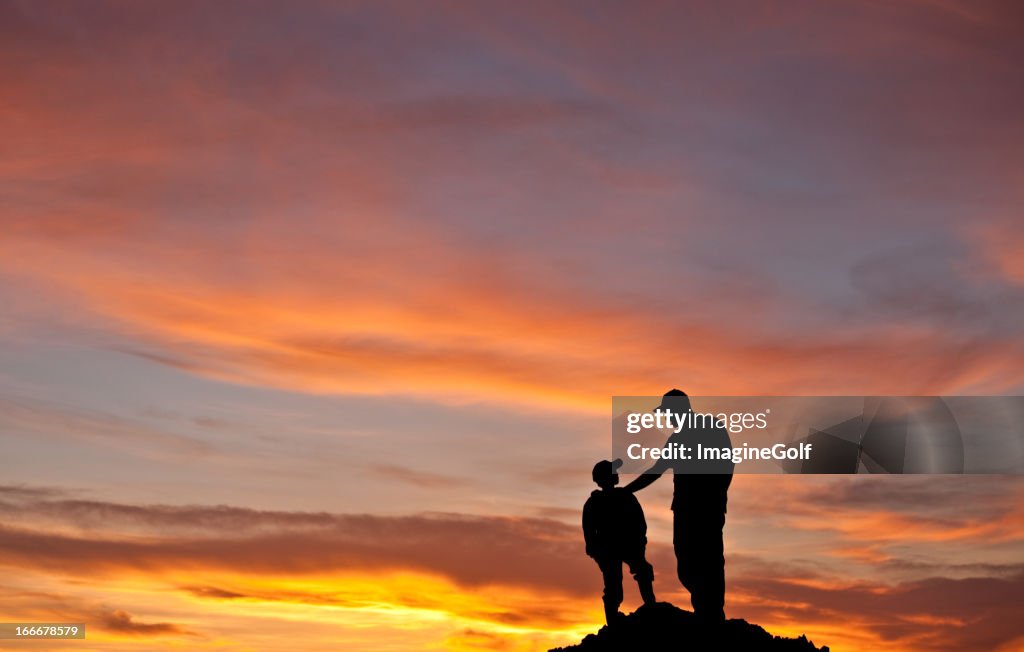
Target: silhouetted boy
[(616, 532)]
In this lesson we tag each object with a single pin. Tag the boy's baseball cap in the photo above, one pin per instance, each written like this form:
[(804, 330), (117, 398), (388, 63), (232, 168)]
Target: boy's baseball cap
[(604, 468)]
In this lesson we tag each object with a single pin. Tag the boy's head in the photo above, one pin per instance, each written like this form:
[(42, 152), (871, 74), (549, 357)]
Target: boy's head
[(605, 475)]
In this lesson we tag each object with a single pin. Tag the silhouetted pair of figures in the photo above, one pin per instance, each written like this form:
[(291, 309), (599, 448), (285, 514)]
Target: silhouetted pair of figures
[(616, 532)]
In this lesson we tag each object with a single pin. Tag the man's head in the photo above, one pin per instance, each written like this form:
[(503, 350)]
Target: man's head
[(605, 475), (675, 401)]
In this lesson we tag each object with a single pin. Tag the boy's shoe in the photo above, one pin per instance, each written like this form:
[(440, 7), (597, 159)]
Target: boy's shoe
[(614, 618)]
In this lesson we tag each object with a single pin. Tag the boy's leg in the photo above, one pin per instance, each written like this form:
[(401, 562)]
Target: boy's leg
[(643, 573), (611, 571)]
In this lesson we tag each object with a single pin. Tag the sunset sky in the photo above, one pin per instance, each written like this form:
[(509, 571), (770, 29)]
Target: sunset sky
[(311, 313)]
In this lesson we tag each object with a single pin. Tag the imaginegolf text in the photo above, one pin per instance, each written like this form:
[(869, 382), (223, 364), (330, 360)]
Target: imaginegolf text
[(709, 453)]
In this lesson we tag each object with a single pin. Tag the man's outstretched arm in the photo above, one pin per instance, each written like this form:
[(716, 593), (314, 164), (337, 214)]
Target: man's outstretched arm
[(647, 478)]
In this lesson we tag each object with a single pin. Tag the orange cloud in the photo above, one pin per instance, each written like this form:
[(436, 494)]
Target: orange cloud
[(439, 572), (318, 320), (876, 511), (1001, 245), (535, 553), (337, 235)]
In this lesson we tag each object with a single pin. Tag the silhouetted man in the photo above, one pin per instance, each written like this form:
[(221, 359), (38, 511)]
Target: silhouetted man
[(615, 531), (698, 510)]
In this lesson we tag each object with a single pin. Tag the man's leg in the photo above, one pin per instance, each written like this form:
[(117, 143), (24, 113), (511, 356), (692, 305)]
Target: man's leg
[(708, 596), (682, 542)]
